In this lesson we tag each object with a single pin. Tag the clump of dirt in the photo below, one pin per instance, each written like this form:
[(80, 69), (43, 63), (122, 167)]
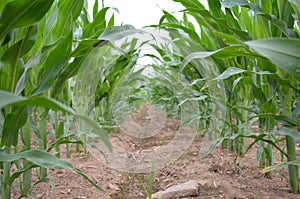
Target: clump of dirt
[(227, 178)]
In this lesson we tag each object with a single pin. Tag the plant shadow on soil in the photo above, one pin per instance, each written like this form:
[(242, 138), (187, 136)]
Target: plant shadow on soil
[(225, 179)]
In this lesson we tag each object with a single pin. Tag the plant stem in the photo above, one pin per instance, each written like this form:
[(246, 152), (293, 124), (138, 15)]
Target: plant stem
[(26, 140), (293, 169), (43, 140), (290, 142), (6, 188)]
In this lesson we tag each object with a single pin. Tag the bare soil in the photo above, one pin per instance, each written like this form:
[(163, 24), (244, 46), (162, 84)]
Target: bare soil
[(226, 178)]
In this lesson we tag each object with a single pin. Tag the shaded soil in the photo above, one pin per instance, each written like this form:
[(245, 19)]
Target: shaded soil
[(226, 178)]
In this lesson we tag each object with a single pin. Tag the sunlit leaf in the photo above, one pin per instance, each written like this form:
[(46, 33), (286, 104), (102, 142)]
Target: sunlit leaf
[(17, 14), (282, 52), (11, 99)]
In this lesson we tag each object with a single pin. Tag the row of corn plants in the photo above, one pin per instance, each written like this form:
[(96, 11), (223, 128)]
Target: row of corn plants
[(43, 45), (255, 46), (49, 60)]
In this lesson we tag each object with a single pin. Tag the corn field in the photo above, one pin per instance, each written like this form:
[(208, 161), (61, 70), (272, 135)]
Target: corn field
[(251, 48)]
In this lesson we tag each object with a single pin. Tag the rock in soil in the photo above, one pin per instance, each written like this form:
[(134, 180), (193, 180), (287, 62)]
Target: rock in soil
[(186, 189)]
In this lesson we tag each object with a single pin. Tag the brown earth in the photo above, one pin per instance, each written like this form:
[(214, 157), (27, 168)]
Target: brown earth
[(226, 178)]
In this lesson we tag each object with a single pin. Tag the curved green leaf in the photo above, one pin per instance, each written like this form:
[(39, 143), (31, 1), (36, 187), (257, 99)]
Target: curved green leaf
[(118, 32), (7, 98), (38, 157), (282, 52), (281, 165), (280, 24), (232, 3), (43, 159), (20, 13), (230, 72), (97, 26), (227, 52), (12, 123), (290, 132)]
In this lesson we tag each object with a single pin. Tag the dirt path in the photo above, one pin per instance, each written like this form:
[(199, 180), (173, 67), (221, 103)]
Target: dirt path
[(220, 176), (225, 179)]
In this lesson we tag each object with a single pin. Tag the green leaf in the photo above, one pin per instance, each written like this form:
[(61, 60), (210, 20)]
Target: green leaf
[(215, 8), (97, 130), (295, 4), (191, 3), (33, 61), (286, 120), (68, 12), (38, 157), (118, 32), (216, 143), (55, 62), (256, 9), (228, 39), (189, 31), (290, 132), (20, 13), (282, 52), (95, 8), (169, 17), (151, 179), (232, 3), (281, 165), (11, 59), (24, 45), (64, 139), (43, 159), (90, 32), (235, 82), (252, 135), (227, 52), (230, 72), (12, 123), (111, 21), (97, 26), (212, 23), (11, 99), (84, 47)]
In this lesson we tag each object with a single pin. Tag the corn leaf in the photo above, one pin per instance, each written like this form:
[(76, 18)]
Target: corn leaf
[(68, 12), (290, 132), (281, 165), (38, 157), (282, 52), (43, 159), (55, 62), (118, 32), (12, 123), (232, 3), (11, 99), (20, 13)]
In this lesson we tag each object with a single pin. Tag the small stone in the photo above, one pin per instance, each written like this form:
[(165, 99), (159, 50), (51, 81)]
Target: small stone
[(113, 187), (186, 189)]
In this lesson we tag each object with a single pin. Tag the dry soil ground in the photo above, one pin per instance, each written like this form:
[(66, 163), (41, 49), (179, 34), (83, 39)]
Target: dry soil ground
[(222, 177)]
